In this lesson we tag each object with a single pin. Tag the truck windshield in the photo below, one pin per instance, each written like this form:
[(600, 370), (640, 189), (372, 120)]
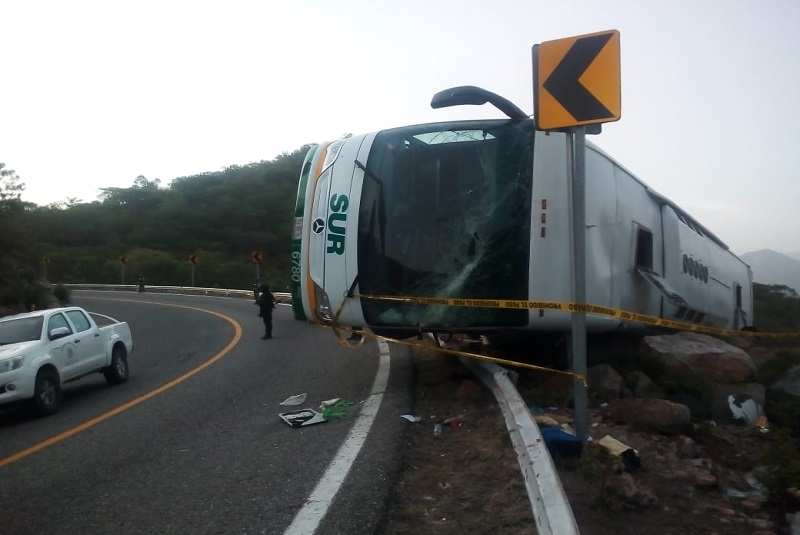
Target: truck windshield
[(445, 213), (20, 330)]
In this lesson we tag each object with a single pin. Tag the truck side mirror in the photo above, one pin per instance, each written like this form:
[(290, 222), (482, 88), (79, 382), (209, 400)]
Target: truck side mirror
[(58, 332)]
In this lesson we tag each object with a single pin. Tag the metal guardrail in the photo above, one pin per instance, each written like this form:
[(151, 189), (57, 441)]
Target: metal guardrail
[(551, 508), (280, 297)]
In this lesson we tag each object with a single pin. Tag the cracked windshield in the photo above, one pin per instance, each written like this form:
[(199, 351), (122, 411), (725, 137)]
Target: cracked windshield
[(445, 212)]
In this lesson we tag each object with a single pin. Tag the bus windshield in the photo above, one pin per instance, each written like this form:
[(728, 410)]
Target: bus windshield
[(445, 213)]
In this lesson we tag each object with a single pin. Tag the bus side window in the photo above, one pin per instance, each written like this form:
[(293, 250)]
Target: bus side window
[(644, 248)]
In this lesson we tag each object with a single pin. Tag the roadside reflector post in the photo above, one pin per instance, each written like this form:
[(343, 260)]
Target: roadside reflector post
[(257, 257)]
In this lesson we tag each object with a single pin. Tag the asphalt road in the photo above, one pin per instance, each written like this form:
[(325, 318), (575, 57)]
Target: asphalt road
[(193, 444)]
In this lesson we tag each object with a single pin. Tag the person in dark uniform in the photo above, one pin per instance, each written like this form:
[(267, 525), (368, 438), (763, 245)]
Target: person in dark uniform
[(266, 303)]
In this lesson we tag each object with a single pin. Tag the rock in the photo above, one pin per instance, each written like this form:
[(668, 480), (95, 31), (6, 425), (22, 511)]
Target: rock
[(701, 356), (704, 479), (760, 355), (624, 486), (782, 405), (605, 384), (641, 386), (750, 505), (789, 383), (686, 448), (656, 415)]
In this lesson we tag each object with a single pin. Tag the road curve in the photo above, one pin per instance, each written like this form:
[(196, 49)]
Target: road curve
[(199, 447)]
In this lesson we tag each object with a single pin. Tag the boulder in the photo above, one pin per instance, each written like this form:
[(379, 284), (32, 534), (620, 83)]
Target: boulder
[(701, 356), (654, 415), (782, 404), (604, 383), (641, 386)]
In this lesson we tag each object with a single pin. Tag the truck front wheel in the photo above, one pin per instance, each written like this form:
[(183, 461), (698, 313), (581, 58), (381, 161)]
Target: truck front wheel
[(117, 371), (46, 393)]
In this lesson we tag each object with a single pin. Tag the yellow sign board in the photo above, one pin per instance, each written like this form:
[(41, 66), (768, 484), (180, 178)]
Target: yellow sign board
[(256, 256), (577, 81)]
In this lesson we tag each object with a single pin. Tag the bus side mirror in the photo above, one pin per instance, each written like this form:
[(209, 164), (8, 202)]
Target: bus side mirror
[(470, 94)]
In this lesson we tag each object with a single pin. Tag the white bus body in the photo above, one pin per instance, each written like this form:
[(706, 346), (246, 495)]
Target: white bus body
[(481, 210)]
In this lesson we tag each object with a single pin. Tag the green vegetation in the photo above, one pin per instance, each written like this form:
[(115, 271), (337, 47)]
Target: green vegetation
[(782, 459), (220, 217), (776, 308), (776, 367)]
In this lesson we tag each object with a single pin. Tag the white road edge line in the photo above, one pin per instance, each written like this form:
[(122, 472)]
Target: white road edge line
[(308, 518)]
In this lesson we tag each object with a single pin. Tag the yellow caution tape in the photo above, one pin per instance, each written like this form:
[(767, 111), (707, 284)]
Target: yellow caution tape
[(361, 338), (570, 307), (358, 337)]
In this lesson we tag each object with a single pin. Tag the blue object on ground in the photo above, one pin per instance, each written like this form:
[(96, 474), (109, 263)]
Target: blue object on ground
[(560, 443)]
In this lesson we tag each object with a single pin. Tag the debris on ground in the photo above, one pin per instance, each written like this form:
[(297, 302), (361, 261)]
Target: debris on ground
[(294, 400), (302, 417)]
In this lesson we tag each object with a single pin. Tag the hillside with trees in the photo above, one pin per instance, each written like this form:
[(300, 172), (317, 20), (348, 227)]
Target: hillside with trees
[(220, 218)]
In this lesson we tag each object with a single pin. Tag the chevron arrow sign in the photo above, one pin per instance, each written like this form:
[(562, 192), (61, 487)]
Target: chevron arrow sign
[(577, 81)]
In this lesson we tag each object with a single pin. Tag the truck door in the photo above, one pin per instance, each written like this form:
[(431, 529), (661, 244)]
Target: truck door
[(63, 349), (89, 343)]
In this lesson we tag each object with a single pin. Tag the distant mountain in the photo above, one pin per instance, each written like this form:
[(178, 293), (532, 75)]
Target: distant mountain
[(795, 255), (770, 267)]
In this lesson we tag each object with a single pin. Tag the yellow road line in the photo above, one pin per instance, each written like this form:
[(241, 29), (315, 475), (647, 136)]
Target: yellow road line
[(122, 408)]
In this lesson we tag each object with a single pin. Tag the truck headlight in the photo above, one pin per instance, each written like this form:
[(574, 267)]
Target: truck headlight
[(6, 365)]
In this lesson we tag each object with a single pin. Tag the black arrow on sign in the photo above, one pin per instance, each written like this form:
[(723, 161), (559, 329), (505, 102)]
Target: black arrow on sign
[(563, 82)]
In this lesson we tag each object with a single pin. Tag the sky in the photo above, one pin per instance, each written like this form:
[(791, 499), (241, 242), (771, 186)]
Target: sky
[(94, 94)]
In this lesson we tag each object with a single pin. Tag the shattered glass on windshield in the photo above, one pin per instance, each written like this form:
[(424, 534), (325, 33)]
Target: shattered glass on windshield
[(445, 212)]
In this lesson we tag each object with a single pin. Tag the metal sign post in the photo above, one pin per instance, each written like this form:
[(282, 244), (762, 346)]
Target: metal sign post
[(577, 162), (576, 84)]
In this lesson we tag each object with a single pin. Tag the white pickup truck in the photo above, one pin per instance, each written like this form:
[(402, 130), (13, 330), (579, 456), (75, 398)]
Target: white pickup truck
[(42, 350)]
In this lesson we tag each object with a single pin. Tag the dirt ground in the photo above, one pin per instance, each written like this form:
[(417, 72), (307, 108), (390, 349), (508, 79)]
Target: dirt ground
[(468, 480)]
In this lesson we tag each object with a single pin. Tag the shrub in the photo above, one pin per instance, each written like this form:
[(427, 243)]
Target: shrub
[(61, 293)]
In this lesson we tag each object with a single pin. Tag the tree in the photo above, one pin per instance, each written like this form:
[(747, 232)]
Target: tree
[(18, 285), (68, 202), (11, 187)]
